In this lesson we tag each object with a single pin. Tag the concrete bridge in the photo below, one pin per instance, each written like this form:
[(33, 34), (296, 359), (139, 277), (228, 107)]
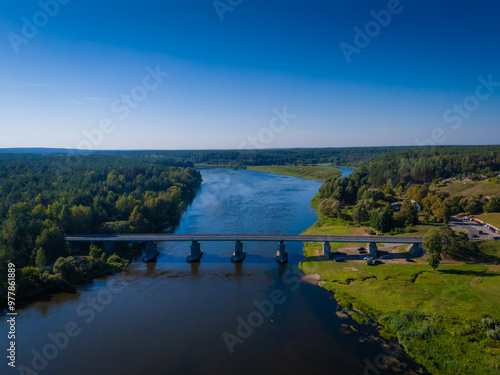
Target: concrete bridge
[(152, 253)]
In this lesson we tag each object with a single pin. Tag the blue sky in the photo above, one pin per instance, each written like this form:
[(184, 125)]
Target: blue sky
[(232, 65)]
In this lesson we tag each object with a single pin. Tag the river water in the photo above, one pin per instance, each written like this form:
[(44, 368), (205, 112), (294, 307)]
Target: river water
[(215, 317)]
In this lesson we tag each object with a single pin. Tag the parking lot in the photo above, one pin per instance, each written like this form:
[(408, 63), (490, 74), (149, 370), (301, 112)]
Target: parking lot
[(476, 230)]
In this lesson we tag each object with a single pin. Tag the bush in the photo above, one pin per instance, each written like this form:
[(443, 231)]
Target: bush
[(467, 330), (95, 251), (67, 267), (114, 259), (494, 333), (488, 323)]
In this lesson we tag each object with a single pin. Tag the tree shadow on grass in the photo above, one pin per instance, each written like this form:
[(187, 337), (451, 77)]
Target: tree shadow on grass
[(469, 273)]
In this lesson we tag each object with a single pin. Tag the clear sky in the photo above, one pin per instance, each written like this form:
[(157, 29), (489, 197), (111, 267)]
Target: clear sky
[(337, 73)]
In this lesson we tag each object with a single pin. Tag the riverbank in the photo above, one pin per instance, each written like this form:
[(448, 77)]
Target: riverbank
[(444, 319), (68, 273), (308, 172)]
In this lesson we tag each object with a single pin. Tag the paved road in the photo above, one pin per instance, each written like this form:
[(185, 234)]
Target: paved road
[(472, 228), (241, 237)]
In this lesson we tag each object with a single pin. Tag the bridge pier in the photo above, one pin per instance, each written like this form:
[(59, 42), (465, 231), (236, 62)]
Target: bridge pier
[(238, 254), (281, 254), (416, 250), (109, 247), (327, 250), (151, 252), (372, 247), (196, 252)]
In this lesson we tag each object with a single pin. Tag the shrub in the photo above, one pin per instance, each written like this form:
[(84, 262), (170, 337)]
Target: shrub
[(488, 323), (494, 333), (467, 330)]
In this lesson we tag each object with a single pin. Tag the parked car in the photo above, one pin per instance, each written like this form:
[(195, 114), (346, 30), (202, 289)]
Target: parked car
[(361, 249), (368, 258), (339, 259), (474, 236), (496, 238)]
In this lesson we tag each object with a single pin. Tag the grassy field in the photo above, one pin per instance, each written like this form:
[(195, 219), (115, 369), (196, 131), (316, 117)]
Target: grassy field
[(312, 173), (435, 315), (467, 189), (491, 218)]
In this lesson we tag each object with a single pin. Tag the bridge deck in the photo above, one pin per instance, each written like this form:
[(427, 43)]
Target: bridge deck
[(241, 237)]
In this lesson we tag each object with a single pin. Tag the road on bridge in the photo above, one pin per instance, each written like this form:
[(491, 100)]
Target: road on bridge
[(240, 237)]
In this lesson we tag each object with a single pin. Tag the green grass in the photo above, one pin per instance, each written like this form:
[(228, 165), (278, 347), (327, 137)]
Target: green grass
[(468, 189), (426, 310), (491, 218), (312, 249), (307, 172), (491, 247)]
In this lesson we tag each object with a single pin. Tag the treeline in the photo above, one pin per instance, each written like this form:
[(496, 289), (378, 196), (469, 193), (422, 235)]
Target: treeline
[(40, 202), (365, 197), (425, 164), (348, 156)]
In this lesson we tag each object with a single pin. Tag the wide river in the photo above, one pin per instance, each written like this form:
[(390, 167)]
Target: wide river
[(215, 317)]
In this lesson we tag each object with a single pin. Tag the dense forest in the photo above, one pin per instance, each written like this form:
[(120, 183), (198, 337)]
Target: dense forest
[(425, 164), (40, 202), (349, 156), (365, 196), (104, 194)]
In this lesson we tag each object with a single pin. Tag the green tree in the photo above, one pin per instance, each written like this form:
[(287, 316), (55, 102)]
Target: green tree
[(95, 251), (382, 219), (493, 205), (67, 268), (410, 213), (360, 213), (41, 259), (53, 243), (331, 207), (434, 259), (433, 245), (474, 206)]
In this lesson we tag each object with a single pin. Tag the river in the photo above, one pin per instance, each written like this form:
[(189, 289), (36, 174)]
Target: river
[(215, 317)]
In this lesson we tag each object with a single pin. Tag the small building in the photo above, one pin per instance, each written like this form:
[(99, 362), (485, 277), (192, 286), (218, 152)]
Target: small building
[(396, 207)]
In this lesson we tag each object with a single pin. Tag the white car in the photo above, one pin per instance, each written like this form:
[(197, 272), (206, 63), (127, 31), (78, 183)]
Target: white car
[(368, 258)]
